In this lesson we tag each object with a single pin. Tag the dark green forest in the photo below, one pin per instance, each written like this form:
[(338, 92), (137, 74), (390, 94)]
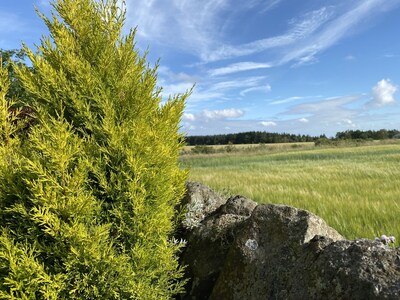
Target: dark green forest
[(262, 137)]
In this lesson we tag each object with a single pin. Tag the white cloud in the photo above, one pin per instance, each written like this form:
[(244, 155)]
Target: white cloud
[(268, 124), (188, 117), (270, 5), (304, 120), (383, 93), (327, 107), (222, 114), (265, 89), (238, 67), (287, 100), (237, 83)]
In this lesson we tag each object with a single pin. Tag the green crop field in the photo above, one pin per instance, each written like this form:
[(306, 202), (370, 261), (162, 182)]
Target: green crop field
[(356, 190)]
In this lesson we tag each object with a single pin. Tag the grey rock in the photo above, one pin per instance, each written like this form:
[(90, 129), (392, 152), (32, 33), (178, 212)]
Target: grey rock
[(359, 269), (261, 259), (241, 250), (208, 244), (199, 202)]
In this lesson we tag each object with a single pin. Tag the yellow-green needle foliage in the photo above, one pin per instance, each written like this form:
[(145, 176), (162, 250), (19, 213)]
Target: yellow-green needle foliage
[(87, 195)]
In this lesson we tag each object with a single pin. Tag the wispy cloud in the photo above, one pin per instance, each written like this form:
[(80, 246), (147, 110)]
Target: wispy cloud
[(327, 106), (265, 89), (198, 27), (336, 29), (299, 30), (208, 90), (287, 100), (190, 25), (238, 67), (390, 55), (268, 5), (238, 83)]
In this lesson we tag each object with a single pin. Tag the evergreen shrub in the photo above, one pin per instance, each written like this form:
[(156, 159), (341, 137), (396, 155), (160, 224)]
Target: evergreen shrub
[(87, 196)]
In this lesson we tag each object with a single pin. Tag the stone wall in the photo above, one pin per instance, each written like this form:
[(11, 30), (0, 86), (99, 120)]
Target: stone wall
[(237, 249)]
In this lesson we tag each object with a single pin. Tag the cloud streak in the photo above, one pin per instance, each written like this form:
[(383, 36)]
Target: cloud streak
[(197, 27), (336, 29), (299, 30), (238, 67)]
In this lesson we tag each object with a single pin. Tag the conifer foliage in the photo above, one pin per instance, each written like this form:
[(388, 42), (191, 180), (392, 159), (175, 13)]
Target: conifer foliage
[(87, 196)]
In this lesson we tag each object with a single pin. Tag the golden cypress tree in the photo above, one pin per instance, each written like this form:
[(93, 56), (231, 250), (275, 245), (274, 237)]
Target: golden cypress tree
[(87, 197)]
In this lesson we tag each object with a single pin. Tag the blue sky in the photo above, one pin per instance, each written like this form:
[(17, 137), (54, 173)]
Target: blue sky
[(308, 67)]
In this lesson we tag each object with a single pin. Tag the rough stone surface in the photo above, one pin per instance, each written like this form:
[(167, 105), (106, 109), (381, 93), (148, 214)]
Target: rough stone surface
[(360, 269), (279, 232), (208, 244), (200, 202), (242, 250)]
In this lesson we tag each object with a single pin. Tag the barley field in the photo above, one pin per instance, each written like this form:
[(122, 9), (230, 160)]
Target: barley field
[(356, 190)]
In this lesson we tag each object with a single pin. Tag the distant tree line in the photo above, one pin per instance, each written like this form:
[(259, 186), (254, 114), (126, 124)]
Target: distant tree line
[(251, 137), (262, 137), (381, 134)]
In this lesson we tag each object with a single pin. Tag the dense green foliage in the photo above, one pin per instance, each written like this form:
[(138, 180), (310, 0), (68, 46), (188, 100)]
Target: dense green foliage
[(88, 194), (381, 134), (355, 189)]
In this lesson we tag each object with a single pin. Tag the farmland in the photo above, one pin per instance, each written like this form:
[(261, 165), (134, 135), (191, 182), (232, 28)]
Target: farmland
[(354, 189)]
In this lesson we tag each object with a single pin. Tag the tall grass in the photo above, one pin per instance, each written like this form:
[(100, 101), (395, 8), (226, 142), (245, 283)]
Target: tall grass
[(355, 189)]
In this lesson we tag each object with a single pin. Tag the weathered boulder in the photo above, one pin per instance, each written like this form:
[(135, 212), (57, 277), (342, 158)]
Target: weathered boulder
[(241, 250), (261, 259), (208, 244), (360, 269), (199, 202)]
